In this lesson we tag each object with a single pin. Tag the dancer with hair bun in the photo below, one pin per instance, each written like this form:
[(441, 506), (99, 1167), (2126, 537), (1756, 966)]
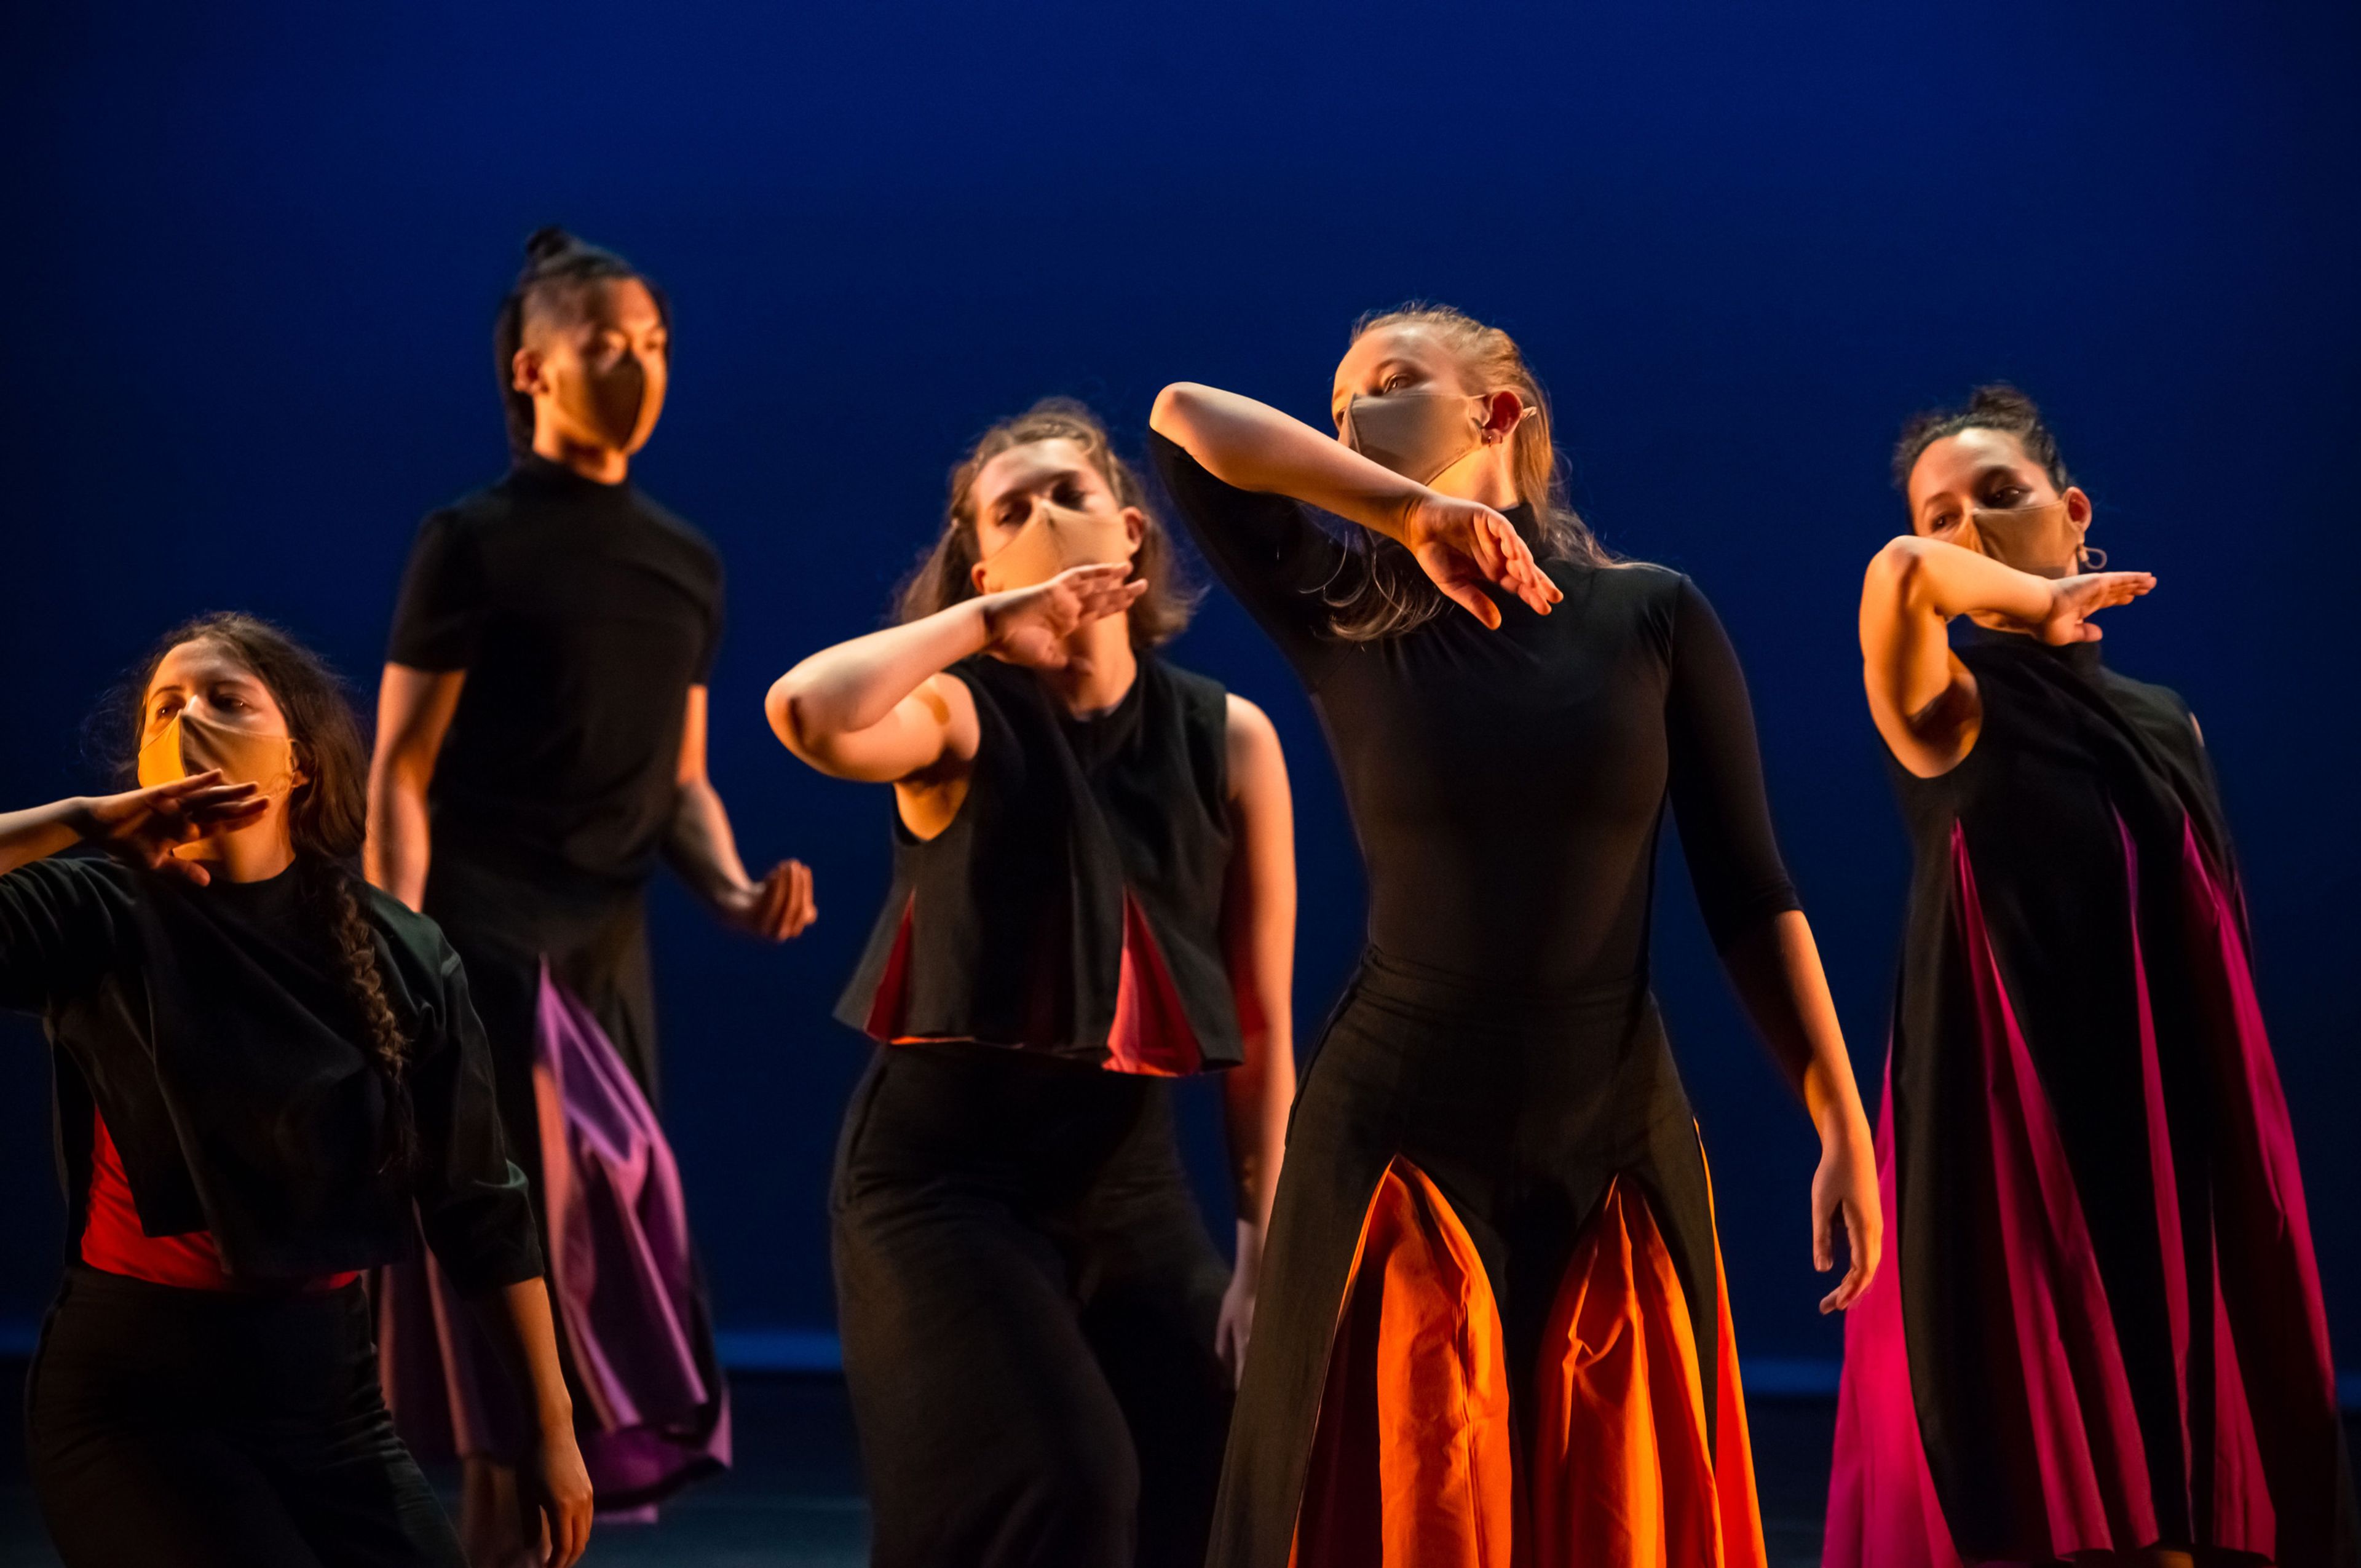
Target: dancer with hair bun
[(2102, 1338), (540, 745), (263, 1069), (1493, 1328), (1093, 894)]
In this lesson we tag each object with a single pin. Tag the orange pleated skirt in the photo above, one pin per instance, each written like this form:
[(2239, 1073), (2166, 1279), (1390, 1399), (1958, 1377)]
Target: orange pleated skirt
[(1417, 1460)]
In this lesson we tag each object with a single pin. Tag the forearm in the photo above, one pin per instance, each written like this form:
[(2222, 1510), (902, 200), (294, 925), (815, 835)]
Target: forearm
[(394, 856), (1776, 970), (1927, 577), (40, 831), (700, 846), (857, 684), (1256, 447), (517, 1319), (1255, 1100)]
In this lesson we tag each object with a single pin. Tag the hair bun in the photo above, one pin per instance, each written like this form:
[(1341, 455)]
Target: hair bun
[(548, 242), (2000, 398)]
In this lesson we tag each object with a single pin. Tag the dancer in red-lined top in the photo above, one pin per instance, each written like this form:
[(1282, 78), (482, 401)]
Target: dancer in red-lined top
[(1093, 894), (263, 1070)]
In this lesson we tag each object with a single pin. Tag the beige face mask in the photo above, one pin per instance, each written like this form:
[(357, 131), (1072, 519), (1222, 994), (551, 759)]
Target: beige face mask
[(2030, 538), (614, 403), (1057, 539), (192, 744), (1417, 435)]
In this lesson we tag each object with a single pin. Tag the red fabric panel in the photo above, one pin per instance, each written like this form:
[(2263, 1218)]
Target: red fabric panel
[(113, 1240), (1151, 1032)]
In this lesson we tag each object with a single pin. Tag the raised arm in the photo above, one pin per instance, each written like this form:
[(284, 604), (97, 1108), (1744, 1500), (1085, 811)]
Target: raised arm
[(413, 714), (1765, 943), (1258, 938), (1253, 447), (878, 710), (141, 826), (1922, 699)]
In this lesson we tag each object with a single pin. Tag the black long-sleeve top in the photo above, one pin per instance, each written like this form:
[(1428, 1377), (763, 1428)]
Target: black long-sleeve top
[(1507, 787), (213, 1029)]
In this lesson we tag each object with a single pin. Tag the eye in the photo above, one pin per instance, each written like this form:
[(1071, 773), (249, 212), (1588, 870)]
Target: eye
[(1068, 493), (1944, 522), (1395, 382)]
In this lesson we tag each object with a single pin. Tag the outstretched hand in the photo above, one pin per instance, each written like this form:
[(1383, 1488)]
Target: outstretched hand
[(1844, 1192), (1029, 626), (2073, 600), (1463, 545), (145, 826)]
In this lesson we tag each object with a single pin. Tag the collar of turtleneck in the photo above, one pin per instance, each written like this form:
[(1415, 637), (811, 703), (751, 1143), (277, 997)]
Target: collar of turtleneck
[(534, 469), (2082, 657)]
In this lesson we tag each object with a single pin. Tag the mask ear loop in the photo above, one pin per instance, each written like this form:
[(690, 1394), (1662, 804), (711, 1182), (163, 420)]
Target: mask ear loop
[(2093, 558)]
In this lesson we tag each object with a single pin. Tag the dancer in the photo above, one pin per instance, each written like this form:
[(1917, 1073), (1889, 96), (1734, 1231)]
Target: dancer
[(540, 742), (1493, 1326), (2102, 1338), (260, 1067), (1093, 892)]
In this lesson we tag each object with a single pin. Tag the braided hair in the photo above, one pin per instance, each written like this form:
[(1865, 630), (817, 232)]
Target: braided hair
[(557, 266), (327, 818)]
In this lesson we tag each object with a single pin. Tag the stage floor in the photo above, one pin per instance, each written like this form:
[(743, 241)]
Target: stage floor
[(794, 1500)]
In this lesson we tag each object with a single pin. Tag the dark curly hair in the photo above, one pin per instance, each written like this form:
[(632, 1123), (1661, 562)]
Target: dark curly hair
[(1997, 406), (557, 266), (944, 575), (327, 818)]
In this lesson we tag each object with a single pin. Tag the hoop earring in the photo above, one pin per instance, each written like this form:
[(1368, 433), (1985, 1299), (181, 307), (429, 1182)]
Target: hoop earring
[(2093, 558)]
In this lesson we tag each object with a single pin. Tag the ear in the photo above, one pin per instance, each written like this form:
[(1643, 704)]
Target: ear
[(526, 372), (975, 575), (1134, 525), (2078, 510), (1503, 412)]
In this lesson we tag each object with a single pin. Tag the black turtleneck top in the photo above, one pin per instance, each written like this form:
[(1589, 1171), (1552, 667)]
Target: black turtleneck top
[(582, 614), (1507, 785)]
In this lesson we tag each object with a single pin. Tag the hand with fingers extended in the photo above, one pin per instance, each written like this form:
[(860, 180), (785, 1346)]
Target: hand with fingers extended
[(777, 908), (1844, 1193), (145, 826), (553, 1498), (1463, 545), (2073, 600), (1029, 626)]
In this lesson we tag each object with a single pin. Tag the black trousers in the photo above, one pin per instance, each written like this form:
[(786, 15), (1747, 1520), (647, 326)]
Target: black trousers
[(1028, 1298), (190, 1429)]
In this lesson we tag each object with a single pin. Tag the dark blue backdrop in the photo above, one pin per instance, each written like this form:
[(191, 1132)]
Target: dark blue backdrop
[(254, 249)]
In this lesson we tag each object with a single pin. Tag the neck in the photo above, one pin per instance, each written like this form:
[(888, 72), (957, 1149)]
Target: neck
[(603, 465), (254, 854), (1099, 669), (1483, 476)]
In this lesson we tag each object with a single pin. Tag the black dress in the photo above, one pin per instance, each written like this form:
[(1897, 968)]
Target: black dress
[(2099, 1328), (211, 1029), (1025, 1290), (1494, 1092), (581, 614)]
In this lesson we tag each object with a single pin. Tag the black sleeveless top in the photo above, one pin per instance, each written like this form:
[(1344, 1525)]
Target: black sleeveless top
[(1072, 908)]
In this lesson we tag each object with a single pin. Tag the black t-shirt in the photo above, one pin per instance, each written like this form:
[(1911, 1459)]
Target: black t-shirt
[(1507, 785), (213, 1029), (582, 614)]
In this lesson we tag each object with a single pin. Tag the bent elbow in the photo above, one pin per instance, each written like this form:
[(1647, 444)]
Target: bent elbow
[(1898, 573), (1169, 417)]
